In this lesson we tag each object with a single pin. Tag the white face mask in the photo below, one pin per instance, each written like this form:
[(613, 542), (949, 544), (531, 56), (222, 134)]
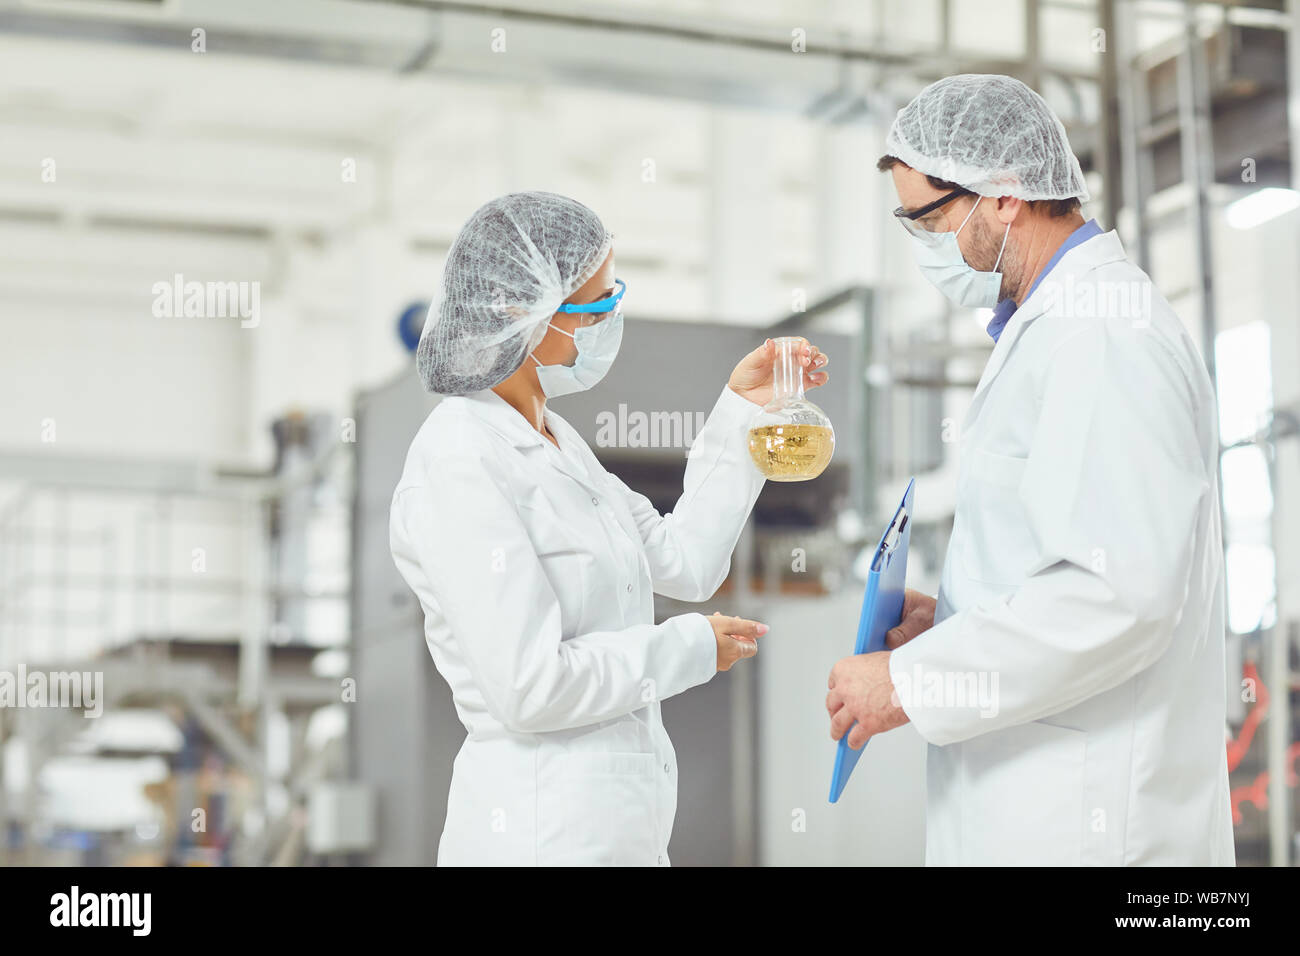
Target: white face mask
[(941, 261), (597, 347)]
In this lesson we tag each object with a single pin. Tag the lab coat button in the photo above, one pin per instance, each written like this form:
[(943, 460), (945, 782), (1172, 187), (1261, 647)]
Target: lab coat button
[(661, 861), (629, 589), (667, 769), (595, 501)]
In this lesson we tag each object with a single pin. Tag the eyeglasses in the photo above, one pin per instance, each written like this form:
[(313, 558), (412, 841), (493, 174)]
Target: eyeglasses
[(609, 304), (908, 219)]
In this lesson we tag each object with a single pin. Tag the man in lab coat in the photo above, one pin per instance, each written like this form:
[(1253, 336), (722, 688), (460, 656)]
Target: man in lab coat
[(1070, 678)]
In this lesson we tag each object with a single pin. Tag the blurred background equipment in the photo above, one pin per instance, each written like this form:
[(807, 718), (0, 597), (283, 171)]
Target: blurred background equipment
[(221, 223)]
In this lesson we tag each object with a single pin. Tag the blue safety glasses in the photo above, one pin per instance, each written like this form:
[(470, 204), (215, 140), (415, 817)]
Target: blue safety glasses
[(600, 305)]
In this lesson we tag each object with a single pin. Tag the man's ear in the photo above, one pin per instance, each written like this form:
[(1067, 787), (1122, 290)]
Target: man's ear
[(1008, 209)]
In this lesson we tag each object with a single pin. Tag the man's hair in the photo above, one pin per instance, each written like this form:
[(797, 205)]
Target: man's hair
[(1054, 207)]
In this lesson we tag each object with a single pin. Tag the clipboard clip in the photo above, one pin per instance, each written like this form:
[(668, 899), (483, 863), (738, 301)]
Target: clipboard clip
[(892, 537)]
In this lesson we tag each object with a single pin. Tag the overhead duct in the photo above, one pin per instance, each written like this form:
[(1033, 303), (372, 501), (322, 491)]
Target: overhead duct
[(709, 60)]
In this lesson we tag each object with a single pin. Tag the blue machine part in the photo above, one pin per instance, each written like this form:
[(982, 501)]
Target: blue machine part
[(411, 323)]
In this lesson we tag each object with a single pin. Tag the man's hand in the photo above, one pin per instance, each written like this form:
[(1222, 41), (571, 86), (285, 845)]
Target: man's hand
[(918, 616), (861, 691)]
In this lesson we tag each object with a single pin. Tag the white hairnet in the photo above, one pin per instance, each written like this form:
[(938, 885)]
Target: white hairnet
[(510, 267), (989, 133)]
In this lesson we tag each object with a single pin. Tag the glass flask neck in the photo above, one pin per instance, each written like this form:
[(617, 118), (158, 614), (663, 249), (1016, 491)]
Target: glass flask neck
[(787, 374)]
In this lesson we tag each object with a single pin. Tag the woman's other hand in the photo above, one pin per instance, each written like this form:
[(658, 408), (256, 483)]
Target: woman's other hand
[(736, 638), (752, 378)]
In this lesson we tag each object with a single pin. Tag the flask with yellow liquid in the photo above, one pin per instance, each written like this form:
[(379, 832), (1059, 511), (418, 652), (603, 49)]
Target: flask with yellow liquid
[(790, 438)]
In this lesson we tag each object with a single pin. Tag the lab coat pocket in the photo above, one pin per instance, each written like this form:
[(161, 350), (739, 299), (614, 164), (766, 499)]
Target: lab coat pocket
[(597, 808), (1022, 803), (1005, 471), (997, 543)]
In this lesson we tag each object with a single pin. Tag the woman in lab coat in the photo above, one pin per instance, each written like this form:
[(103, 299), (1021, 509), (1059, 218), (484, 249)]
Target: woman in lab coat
[(536, 567)]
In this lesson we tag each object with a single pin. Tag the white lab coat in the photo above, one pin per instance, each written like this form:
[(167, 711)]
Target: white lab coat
[(536, 569), (1085, 573)]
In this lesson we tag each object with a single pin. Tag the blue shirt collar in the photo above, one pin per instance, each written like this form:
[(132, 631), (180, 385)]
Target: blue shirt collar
[(1004, 310)]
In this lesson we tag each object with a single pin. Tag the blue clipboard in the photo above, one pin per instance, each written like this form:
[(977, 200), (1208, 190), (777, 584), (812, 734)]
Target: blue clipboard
[(882, 608)]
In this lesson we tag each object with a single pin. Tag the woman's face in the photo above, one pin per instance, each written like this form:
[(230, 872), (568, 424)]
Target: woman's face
[(558, 349)]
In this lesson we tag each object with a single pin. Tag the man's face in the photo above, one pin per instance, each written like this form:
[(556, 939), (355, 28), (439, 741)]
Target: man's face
[(980, 240)]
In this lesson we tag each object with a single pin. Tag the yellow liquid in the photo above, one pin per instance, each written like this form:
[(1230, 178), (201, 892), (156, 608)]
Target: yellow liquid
[(791, 452)]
